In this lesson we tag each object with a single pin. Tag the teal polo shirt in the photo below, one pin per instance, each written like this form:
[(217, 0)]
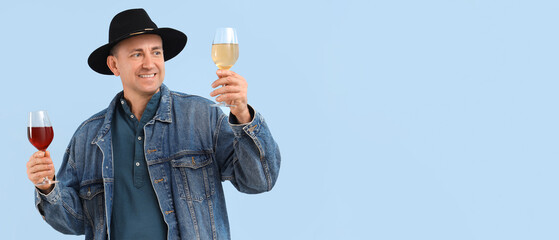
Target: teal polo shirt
[(136, 213)]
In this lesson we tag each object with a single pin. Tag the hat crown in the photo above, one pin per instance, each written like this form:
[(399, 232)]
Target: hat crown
[(129, 22)]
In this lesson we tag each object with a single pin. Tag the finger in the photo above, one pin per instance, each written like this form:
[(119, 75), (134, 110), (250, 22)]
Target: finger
[(44, 173), (39, 161), (231, 97), (37, 172), (225, 73), (32, 160), (41, 168), (34, 178), (236, 81), (38, 177), (38, 168), (29, 163), (38, 154), (225, 90), (223, 81)]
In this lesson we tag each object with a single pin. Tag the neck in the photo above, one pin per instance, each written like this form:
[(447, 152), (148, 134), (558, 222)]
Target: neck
[(138, 103)]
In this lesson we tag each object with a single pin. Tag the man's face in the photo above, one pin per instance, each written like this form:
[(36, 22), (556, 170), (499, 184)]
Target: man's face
[(140, 64)]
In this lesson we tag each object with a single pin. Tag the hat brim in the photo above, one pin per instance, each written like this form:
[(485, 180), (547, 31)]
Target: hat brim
[(173, 43)]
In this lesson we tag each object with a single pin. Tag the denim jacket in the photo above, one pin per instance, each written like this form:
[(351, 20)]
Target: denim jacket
[(189, 147)]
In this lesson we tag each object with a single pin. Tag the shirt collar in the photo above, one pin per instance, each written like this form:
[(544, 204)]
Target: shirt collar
[(149, 110), (163, 113)]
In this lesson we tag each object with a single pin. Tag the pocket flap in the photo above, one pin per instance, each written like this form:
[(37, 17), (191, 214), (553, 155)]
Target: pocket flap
[(91, 190), (192, 161)]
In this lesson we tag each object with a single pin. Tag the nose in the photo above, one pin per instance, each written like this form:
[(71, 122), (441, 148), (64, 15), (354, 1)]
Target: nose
[(148, 62)]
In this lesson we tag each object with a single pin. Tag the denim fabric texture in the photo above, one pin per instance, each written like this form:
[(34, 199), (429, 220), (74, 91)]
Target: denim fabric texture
[(190, 148)]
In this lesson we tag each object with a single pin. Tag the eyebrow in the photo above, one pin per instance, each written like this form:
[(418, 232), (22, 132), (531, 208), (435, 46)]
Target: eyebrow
[(141, 50)]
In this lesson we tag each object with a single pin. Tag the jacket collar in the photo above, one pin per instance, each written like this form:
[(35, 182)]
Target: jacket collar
[(163, 113)]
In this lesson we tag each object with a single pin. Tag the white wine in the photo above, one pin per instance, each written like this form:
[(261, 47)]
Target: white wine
[(225, 54)]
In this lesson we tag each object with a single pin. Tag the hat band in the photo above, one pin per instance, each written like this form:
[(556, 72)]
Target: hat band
[(141, 32)]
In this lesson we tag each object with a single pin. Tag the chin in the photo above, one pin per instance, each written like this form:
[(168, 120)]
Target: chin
[(151, 85), (152, 89)]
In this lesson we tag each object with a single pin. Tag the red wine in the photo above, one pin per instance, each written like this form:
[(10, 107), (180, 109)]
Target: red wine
[(40, 137)]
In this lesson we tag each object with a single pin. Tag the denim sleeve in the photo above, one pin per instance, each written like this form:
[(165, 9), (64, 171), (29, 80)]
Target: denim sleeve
[(247, 154), (62, 208)]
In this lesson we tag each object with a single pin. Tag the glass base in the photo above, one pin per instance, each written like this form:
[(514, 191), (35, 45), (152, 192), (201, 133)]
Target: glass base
[(45, 182), (221, 104)]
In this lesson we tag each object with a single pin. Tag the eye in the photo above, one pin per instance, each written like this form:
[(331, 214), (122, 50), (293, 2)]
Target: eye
[(136, 55), (158, 53)]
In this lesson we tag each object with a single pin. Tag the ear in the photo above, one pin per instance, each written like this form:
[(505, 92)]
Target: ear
[(111, 62)]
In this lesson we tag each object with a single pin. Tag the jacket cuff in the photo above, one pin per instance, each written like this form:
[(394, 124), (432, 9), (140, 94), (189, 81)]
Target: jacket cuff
[(251, 128), (52, 197), (233, 119)]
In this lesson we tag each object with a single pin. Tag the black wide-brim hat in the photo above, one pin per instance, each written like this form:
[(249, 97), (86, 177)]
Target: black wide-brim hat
[(132, 23)]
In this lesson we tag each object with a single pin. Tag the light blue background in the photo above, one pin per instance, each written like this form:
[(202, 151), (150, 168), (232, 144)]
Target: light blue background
[(396, 119)]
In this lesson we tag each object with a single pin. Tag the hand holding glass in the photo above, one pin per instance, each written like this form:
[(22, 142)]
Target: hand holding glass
[(40, 134), (225, 52)]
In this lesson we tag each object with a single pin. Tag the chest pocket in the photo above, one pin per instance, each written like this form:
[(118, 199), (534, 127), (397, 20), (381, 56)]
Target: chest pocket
[(194, 175), (92, 197)]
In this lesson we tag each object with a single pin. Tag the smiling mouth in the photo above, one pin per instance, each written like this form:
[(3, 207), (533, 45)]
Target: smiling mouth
[(148, 76)]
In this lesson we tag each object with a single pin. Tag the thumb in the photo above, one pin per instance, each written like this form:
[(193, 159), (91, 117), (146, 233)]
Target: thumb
[(47, 154)]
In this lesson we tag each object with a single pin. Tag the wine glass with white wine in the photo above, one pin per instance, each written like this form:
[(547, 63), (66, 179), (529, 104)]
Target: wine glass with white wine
[(225, 51)]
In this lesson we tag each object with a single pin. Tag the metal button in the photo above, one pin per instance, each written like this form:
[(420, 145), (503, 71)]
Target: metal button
[(137, 164), (121, 101), (140, 138), (131, 116)]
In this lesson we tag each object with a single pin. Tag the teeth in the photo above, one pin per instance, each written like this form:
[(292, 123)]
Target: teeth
[(147, 76)]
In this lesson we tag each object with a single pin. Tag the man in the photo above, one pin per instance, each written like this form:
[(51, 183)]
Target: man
[(150, 166)]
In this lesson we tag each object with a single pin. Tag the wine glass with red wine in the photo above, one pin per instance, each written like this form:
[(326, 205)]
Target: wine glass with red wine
[(40, 134)]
